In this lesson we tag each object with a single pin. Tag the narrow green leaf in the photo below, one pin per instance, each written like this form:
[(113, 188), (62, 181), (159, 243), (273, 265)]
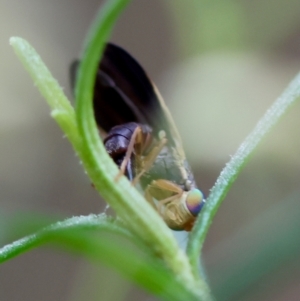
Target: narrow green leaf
[(122, 197), (63, 112), (75, 234), (77, 223), (234, 167), (81, 129)]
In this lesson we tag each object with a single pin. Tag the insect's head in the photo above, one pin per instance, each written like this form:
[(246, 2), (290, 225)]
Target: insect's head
[(194, 201), (181, 213)]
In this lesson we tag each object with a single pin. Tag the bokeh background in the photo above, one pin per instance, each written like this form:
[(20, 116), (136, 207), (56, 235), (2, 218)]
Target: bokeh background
[(219, 65)]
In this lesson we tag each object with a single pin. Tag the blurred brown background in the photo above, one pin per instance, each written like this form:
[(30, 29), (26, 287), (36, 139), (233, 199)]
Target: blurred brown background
[(219, 66)]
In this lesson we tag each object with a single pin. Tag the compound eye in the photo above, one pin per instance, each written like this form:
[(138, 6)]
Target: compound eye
[(195, 201)]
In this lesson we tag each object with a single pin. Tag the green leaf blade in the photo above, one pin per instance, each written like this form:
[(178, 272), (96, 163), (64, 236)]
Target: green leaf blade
[(77, 234), (235, 166)]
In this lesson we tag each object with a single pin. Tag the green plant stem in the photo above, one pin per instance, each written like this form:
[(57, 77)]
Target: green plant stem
[(123, 198), (234, 167), (82, 131), (76, 223), (62, 111), (75, 234)]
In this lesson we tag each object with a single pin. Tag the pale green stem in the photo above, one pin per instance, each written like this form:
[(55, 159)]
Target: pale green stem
[(234, 167)]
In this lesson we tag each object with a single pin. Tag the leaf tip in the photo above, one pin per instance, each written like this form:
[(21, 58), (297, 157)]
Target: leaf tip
[(13, 40)]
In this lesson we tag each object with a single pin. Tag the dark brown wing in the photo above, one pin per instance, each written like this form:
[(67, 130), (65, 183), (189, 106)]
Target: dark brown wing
[(123, 93), (109, 105)]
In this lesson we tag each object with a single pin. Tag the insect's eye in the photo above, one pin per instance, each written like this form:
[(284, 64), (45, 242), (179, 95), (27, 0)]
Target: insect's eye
[(195, 201)]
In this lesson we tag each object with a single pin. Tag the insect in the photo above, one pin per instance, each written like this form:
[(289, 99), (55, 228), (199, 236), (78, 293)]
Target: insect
[(142, 139)]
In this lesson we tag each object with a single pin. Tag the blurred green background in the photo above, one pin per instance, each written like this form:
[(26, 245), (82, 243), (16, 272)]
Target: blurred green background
[(219, 65)]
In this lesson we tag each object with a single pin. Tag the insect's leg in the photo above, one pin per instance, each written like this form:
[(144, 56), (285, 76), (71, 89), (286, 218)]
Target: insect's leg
[(129, 170), (168, 186), (150, 158), (149, 197), (129, 151)]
